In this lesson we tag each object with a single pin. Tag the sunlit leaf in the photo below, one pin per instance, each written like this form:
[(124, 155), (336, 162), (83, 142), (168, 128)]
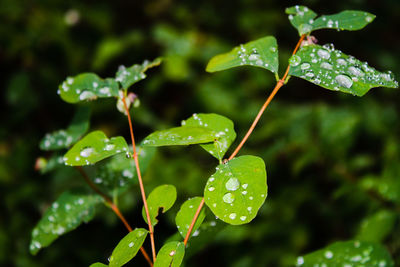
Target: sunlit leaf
[(348, 253), (377, 227), (221, 125), (170, 255), (186, 214), (87, 86), (128, 247), (261, 53), (237, 190), (162, 198), (94, 147), (64, 138), (66, 214), (135, 73), (334, 70)]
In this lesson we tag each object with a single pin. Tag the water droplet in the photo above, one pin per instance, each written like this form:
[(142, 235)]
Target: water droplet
[(172, 253), (272, 49), (127, 173), (328, 254), (232, 216), (86, 152), (322, 53), (294, 60), (243, 218), (86, 95), (305, 66), (310, 74), (130, 244), (228, 198), (300, 260), (244, 192), (341, 61), (232, 184), (368, 19), (305, 28), (249, 209), (326, 65), (344, 81), (355, 71), (211, 188)]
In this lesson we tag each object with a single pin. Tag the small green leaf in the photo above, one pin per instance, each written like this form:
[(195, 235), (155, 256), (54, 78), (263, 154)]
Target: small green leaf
[(302, 18), (348, 253), (98, 264), (237, 190), (66, 214), (128, 247), (221, 125), (185, 216), (170, 255), (261, 53), (52, 163), (135, 73), (87, 86), (119, 173), (162, 197), (334, 70), (94, 147), (64, 138), (377, 227)]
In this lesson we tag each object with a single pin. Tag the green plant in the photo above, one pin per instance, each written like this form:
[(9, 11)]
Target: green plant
[(238, 188)]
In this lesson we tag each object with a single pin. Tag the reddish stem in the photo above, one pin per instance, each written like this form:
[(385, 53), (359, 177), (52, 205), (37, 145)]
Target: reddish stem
[(196, 215)]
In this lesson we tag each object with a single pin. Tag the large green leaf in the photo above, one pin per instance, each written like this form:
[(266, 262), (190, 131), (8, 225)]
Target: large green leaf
[(348, 253), (261, 53), (94, 147), (135, 73), (334, 70), (237, 190), (87, 86), (170, 255), (377, 227), (162, 198), (66, 214), (221, 125), (119, 172), (186, 214), (303, 19), (128, 247), (64, 138)]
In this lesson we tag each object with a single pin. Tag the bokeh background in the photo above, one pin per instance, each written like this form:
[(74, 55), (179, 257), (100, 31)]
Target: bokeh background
[(332, 159)]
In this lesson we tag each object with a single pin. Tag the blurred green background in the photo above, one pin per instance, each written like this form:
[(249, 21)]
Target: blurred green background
[(332, 159)]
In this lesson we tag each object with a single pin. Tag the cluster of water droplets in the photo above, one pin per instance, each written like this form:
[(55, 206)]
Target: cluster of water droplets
[(58, 139), (134, 73), (251, 56)]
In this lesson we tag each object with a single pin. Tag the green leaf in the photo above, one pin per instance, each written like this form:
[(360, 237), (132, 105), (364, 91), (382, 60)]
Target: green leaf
[(221, 125), (186, 214), (261, 53), (237, 190), (348, 253), (87, 86), (135, 73), (64, 138), (52, 163), (170, 255), (162, 197), (94, 147), (128, 247), (377, 227), (334, 70), (66, 214), (303, 19), (119, 173), (98, 264)]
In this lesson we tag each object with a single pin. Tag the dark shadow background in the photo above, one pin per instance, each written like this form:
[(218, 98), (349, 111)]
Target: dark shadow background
[(332, 159)]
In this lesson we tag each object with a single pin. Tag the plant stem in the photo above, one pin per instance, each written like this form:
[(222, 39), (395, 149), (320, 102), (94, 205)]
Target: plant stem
[(196, 215), (143, 193), (113, 206), (278, 85)]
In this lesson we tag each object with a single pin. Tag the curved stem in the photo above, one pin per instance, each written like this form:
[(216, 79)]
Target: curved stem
[(278, 85), (196, 215), (143, 193), (114, 208)]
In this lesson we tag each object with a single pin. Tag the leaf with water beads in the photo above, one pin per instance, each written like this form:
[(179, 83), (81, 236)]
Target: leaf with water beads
[(66, 214), (334, 70), (135, 73), (64, 138), (301, 17), (186, 214), (128, 247), (348, 253), (261, 53), (237, 190), (87, 86), (94, 147), (162, 198), (223, 127), (170, 255)]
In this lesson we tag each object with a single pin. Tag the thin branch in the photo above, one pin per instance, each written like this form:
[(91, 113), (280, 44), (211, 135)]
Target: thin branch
[(196, 215), (143, 193)]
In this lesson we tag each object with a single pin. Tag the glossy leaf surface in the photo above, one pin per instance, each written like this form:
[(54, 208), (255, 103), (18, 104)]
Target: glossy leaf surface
[(162, 198), (135, 73), (170, 255), (186, 214)]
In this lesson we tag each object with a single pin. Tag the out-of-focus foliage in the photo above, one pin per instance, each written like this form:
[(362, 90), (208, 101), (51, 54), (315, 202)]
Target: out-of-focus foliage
[(333, 159)]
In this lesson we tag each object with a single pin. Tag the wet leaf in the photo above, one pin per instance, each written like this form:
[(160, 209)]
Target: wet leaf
[(334, 70), (128, 247), (170, 255), (237, 190), (186, 214), (94, 147), (261, 53), (162, 198), (135, 73), (301, 17), (66, 214)]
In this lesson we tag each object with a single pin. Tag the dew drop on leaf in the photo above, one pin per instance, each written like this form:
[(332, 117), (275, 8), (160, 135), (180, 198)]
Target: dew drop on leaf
[(228, 198), (344, 81), (232, 184)]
